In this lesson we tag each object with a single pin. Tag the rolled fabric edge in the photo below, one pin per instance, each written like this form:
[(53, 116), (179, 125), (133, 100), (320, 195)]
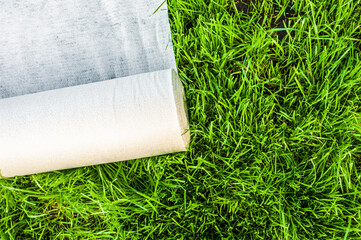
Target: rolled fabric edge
[(53, 162)]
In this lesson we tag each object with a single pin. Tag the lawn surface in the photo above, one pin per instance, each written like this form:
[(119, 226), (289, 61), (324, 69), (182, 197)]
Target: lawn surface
[(274, 97)]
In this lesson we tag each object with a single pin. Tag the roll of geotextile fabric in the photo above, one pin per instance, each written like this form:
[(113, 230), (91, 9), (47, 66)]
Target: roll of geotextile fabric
[(87, 82)]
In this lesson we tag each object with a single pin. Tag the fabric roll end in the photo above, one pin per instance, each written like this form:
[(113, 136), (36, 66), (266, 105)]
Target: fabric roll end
[(181, 106)]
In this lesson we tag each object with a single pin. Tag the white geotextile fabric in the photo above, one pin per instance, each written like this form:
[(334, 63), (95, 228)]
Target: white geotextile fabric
[(86, 82)]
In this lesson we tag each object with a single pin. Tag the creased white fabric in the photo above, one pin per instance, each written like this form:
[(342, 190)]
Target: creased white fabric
[(86, 82)]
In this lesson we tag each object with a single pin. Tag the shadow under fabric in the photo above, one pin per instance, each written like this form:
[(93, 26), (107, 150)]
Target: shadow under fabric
[(87, 82)]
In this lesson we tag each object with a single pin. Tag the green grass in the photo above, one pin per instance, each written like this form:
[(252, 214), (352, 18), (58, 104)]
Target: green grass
[(276, 139)]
